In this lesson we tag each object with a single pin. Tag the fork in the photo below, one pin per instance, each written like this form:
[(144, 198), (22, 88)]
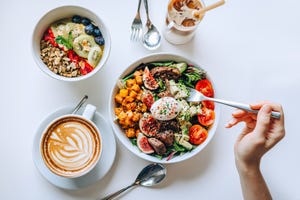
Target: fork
[(136, 26), (196, 96)]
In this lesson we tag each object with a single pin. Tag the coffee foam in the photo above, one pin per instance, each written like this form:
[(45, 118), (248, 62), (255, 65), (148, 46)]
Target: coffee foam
[(70, 145)]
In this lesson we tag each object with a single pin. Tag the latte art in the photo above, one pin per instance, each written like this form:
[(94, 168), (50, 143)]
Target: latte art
[(70, 146)]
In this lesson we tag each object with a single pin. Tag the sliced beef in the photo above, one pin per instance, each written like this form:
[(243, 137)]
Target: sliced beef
[(165, 73), (157, 145), (167, 137), (169, 125)]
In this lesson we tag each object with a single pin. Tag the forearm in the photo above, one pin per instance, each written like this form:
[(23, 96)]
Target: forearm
[(253, 184)]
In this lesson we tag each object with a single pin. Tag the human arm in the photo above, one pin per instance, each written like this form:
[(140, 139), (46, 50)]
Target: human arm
[(260, 134)]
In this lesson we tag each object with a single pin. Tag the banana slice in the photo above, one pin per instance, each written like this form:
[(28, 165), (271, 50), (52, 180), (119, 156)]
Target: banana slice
[(94, 56), (59, 28), (82, 45), (75, 29)]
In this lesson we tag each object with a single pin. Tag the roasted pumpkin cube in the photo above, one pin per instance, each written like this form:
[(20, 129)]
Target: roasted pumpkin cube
[(123, 92), (130, 132)]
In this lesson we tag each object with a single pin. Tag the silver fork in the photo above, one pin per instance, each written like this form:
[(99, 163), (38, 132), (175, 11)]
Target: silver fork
[(136, 26), (196, 96)]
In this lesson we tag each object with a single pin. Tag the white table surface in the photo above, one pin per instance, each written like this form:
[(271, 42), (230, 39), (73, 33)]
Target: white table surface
[(250, 48)]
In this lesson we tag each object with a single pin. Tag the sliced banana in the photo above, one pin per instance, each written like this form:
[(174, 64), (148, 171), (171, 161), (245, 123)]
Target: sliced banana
[(75, 29), (82, 45), (94, 56), (59, 29)]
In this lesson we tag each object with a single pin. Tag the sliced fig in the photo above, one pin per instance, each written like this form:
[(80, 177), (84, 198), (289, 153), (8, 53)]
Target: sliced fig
[(158, 146), (143, 144), (149, 125), (147, 98), (149, 81)]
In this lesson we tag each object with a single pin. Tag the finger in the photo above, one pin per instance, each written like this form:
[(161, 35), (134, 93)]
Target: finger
[(231, 123), (247, 119), (239, 113), (258, 105), (263, 120)]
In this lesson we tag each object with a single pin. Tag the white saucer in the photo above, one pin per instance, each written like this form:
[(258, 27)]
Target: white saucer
[(101, 169)]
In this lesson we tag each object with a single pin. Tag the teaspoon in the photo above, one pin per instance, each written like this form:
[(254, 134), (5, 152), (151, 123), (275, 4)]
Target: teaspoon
[(80, 104), (149, 176), (151, 38)]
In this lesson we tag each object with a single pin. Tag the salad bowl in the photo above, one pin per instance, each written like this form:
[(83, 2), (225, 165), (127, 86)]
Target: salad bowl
[(180, 149)]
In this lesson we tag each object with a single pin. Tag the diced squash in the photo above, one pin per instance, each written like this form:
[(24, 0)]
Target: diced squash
[(130, 132), (118, 98), (123, 92), (130, 82)]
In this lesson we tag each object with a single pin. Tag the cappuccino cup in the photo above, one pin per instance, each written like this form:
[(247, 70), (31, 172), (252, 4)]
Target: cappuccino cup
[(71, 144)]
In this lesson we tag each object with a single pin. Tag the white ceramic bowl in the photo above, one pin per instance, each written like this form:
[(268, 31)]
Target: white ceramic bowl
[(61, 13), (119, 132)]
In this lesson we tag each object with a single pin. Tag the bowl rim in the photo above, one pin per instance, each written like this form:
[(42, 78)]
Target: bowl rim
[(35, 47), (119, 133)]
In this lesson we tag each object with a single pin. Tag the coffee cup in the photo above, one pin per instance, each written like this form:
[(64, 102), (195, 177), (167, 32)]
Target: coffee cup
[(71, 144)]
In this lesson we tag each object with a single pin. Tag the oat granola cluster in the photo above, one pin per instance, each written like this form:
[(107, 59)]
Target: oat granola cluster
[(57, 60)]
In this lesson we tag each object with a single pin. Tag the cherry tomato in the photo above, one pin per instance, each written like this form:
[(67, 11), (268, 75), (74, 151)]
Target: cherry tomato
[(207, 117), (208, 104), (197, 134), (205, 87)]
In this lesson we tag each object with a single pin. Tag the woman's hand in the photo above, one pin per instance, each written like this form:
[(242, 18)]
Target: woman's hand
[(260, 133)]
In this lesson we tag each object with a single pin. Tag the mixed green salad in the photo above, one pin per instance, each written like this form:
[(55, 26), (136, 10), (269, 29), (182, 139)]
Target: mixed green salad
[(152, 109)]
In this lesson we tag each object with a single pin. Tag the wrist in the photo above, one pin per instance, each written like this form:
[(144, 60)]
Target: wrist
[(247, 168)]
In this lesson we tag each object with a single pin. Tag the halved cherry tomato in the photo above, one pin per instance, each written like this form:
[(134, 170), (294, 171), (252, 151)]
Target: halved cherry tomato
[(208, 104), (207, 117), (197, 134), (205, 87)]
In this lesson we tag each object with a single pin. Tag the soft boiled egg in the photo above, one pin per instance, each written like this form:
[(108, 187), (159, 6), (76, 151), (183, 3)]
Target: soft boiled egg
[(165, 108)]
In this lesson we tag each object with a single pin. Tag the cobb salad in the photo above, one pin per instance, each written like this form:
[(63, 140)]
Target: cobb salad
[(152, 110)]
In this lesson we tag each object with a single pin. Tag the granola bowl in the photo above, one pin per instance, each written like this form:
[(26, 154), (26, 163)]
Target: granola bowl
[(70, 43), (142, 102)]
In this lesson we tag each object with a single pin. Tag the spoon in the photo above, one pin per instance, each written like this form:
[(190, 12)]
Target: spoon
[(151, 38), (81, 102), (196, 96), (149, 176)]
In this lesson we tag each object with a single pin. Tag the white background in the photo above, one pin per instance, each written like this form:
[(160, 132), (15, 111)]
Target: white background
[(251, 49)]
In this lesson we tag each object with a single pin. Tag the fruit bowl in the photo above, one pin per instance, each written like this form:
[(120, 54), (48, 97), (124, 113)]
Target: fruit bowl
[(70, 43), (185, 142)]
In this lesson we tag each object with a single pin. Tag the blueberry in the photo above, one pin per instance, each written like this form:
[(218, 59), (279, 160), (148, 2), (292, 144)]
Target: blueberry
[(89, 29), (97, 32), (99, 40), (85, 21), (76, 19)]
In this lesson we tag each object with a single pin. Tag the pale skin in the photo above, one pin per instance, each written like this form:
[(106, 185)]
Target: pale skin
[(260, 134)]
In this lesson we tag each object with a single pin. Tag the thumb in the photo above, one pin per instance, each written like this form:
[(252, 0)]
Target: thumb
[(263, 120)]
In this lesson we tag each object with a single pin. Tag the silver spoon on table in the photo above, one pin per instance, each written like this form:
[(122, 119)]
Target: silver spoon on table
[(78, 106), (196, 96), (152, 38), (149, 176)]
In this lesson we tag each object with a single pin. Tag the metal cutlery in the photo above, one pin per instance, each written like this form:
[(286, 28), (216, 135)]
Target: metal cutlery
[(196, 96), (136, 26)]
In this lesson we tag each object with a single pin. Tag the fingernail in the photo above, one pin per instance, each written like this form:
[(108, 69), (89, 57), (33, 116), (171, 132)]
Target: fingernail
[(230, 123)]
